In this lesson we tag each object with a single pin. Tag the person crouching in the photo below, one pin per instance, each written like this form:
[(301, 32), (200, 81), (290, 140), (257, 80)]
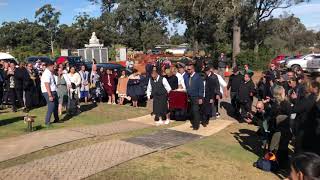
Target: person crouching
[(158, 88)]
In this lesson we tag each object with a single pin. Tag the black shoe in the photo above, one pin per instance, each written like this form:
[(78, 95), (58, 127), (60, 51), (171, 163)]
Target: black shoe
[(204, 124), (56, 121)]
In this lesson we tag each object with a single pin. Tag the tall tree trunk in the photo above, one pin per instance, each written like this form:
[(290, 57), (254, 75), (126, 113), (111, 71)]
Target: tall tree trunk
[(52, 50), (236, 41), (256, 47)]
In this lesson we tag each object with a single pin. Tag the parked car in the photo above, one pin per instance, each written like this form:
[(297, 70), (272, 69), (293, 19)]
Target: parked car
[(276, 60), (106, 66), (313, 66), (34, 59), (300, 62), (72, 60)]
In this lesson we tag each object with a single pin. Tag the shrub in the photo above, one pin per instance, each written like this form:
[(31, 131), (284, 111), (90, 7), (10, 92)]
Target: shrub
[(257, 61)]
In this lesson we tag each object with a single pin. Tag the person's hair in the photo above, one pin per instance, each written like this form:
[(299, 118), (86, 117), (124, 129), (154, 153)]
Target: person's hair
[(308, 164), (277, 94), (134, 71)]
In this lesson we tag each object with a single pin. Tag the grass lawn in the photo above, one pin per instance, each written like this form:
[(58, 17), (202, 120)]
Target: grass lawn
[(226, 155), (11, 124)]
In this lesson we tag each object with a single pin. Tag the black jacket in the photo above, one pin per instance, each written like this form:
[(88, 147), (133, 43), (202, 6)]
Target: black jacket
[(244, 92), (20, 75), (212, 87), (235, 82), (303, 108)]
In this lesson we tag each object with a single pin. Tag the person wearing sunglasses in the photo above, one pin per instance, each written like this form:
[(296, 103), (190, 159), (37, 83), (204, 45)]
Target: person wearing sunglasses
[(195, 91)]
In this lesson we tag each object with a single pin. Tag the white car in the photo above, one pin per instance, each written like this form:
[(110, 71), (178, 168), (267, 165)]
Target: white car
[(300, 62), (313, 66)]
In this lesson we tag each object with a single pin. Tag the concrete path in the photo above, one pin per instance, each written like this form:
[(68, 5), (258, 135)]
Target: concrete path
[(213, 127), (77, 164), (17, 146), (35, 141)]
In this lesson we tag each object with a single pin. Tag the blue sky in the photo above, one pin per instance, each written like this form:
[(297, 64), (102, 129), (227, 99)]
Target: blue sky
[(14, 10)]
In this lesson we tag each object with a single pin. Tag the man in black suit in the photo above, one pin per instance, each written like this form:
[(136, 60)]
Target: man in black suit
[(19, 78), (195, 90), (212, 90)]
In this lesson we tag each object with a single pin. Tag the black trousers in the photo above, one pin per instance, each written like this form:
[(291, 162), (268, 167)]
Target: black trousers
[(1, 93), (234, 102), (13, 97), (195, 112), (245, 108), (28, 98), (206, 111), (19, 93)]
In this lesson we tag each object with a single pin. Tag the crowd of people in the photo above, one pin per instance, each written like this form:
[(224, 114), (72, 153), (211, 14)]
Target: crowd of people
[(287, 108)]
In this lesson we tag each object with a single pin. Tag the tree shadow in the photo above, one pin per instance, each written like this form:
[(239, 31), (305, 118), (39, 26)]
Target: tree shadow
[(11, 120)]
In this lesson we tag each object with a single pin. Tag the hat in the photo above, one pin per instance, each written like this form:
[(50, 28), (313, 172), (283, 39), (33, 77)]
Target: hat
[(180, 65), (235, 69), (207, 68)]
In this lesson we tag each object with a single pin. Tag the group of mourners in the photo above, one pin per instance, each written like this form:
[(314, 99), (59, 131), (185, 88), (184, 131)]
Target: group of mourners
[(287, 108)]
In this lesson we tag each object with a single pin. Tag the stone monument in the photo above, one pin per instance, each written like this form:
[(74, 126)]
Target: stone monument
[(94, 50), (94, 42)]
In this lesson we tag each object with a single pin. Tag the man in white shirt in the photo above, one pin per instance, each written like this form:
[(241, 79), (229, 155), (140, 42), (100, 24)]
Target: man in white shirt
[(181, 75), (158, 88), (49, 92)]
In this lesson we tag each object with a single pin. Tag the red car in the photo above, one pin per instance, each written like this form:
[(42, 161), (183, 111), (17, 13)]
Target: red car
[(277, 60)]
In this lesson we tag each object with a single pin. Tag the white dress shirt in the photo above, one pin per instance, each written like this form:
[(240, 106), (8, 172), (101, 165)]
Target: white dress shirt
[(164, 82), (181, 82), (47, 77)]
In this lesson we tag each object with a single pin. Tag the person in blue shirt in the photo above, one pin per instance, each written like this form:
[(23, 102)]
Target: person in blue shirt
[(195, 91)]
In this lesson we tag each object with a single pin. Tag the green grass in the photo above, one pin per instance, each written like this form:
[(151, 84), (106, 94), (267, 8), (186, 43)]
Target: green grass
[(11, 124)]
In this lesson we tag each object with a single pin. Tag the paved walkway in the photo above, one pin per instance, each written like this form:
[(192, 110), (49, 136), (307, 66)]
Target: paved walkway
[(17, 146), (77, 164), (35, 141)]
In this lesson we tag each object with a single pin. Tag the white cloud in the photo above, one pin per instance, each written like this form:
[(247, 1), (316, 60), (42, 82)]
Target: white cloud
[(88, 8), (315, 27)]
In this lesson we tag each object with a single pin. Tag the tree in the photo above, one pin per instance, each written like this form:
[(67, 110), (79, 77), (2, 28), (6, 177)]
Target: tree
[(263, 10), (49, 18), (205, 20)]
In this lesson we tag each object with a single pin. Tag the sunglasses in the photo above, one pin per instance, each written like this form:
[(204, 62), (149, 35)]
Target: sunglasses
[(188, 69)]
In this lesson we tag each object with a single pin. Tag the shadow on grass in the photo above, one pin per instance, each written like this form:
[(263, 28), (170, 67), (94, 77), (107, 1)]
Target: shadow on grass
[(83, 108), (11, 120), (249, 140), (229, 109)]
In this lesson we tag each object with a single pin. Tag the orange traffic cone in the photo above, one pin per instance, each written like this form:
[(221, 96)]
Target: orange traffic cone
[(227, 73)]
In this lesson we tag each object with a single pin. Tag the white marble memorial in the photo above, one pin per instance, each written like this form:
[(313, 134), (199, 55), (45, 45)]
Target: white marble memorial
[(94, 42)]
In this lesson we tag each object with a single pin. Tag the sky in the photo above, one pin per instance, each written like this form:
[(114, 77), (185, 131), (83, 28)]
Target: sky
[(15, 10)]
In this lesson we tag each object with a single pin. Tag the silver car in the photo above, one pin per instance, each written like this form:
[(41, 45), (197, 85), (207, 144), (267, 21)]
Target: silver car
[(300, 62), (313, 65)]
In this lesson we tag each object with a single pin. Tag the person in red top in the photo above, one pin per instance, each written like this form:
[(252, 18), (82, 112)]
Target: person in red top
[(108, 80)]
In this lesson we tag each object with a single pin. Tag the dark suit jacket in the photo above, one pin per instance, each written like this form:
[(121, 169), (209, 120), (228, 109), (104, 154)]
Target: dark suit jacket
[(197, 88)]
